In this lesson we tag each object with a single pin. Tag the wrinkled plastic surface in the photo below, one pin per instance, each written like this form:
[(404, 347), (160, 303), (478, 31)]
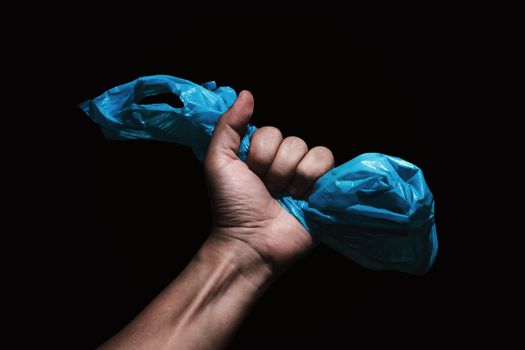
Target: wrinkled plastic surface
[(375, 209)]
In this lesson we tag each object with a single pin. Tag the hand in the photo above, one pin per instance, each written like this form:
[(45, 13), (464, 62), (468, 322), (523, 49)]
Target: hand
[(253, 238), (245, 213)]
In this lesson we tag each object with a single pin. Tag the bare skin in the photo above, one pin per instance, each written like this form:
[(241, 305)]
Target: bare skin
[(252, 242)]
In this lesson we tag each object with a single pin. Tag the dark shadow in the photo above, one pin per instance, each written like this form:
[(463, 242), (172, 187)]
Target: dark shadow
[(168, 98)]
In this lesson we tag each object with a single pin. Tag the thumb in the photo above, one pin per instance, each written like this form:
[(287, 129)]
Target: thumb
[(230, 129)]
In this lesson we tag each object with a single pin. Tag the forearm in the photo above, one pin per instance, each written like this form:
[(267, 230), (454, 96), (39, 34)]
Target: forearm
[(204, 305)]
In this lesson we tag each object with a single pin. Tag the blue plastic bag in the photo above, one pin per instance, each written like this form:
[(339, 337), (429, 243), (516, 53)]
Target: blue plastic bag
[(375, 209)]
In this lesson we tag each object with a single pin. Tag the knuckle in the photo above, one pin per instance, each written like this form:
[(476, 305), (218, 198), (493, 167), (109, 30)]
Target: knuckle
[(319, 160), (266, 135), (264, 144), (269, 132), (323, 154), (296, 143)]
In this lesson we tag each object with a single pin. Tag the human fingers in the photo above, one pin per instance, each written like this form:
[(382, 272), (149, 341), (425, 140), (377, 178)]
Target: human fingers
[(312, 166), (291, 150), (264, 145)]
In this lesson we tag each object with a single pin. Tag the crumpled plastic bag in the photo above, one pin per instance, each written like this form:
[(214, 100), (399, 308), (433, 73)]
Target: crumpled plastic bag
[(375, 209)]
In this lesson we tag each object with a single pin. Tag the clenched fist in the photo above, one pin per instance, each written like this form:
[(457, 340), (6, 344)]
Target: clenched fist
[(245, 213)]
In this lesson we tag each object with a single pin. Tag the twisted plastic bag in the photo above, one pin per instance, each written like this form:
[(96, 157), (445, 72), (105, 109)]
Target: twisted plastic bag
[(375, 209)]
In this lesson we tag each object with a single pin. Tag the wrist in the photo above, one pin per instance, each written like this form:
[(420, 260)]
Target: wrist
[(240, 260)]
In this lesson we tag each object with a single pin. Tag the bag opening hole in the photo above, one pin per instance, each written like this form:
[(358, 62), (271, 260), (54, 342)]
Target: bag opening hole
[(170, 99)]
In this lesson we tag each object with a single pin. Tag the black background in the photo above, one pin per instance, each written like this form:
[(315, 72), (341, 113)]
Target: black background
[(132, 214)]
